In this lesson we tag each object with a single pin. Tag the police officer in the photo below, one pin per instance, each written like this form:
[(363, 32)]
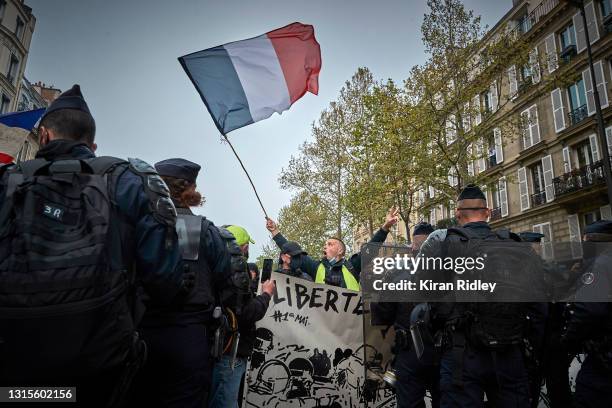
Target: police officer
[(550, 359), (143, 244), (291, 260), (469, 368), (334, 269), (244, 308), (178, 370), (414, 374), (589, 325)]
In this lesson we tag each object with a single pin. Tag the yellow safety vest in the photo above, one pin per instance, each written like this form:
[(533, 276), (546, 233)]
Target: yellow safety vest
[(349, 279)]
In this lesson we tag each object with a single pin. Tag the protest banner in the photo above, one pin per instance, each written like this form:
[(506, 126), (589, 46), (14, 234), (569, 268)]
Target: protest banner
[(310, 351)]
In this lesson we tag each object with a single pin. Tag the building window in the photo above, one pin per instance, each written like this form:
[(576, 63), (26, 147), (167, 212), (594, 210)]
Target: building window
[(19, 27), (578, 102), (567, 37), (13, 68), (5, 104), (584, 154), (538, 182), (606, 8)]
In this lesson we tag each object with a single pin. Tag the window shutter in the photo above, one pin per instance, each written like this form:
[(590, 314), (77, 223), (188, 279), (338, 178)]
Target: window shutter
[(549, 187), (523, 189), (547, 241), (551, 53), (494, 100), (609, 141), (476, 110), (432, 192), (503, 196), (591, 19), (567, 162), (525, 126), (535, 66), (466, 117), (512, 83), (606, 212), (499, 148), (470, 160), (558, 112), (594, 148), (574, 236), (579, 28), (482, 163), (588, 87), (534, 126), (600, 81)]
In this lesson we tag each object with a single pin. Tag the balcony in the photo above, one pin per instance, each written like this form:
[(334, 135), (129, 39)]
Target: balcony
[(495, 214), (538, 199), (525, 24), (578, 115), (583, 177)]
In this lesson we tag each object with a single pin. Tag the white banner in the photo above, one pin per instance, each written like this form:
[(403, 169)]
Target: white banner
[(310, 351)]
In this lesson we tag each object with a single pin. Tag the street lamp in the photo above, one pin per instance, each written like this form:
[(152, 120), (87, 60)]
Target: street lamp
[(600, 123)]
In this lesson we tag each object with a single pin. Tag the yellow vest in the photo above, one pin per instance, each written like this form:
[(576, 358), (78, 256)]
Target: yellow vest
[(349, 279)]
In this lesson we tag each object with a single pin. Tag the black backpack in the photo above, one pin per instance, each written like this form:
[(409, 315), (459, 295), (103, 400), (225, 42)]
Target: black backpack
[(63, 293), (491, 323)]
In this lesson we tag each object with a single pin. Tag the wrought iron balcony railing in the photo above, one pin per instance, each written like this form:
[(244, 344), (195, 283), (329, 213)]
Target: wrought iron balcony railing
[(578, 115), (495, 214), (575, 180), (538, 198), (526, 23)]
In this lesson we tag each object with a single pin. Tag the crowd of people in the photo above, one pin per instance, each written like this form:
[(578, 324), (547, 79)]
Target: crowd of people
[(110, 283)]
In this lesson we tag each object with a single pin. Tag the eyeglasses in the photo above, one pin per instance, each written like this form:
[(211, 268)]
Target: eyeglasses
[(471, 208)]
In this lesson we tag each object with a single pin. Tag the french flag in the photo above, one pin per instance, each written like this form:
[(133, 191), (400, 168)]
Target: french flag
[(246, 81)]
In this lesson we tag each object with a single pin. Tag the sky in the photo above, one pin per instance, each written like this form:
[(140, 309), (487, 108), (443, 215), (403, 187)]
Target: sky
[(124, 56)]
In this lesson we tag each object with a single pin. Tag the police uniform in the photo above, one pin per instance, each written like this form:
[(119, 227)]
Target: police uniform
[(469, 370), (145, 218), (343, 273), (589, 326), (414, 375), (178, 370), (548, 359)]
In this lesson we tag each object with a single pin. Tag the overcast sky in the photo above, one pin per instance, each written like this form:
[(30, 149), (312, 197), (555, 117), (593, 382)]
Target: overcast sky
[(124, 56)]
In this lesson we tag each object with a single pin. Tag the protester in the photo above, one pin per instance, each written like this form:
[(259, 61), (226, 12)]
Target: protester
[(589, 325), (76, 232), (334, 269), (291, 260), (244, 308)]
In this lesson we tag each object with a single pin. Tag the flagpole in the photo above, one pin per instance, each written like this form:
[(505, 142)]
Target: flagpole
[(247, 174)]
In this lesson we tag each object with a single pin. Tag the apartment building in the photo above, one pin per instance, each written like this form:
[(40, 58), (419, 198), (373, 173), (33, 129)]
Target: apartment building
[(548, 177), (16, 27)]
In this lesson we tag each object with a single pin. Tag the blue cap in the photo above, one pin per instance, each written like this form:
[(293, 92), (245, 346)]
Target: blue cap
[(178, 168), (422, 228), (71, 99), (529, 236), (599, 227)]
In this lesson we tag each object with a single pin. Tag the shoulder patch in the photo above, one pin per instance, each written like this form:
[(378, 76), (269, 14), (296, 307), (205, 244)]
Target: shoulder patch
[(140, 166), (225, 234)]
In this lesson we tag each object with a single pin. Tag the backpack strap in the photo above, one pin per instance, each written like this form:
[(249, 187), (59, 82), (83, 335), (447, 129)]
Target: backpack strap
[(31, 167), (103, 164)]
